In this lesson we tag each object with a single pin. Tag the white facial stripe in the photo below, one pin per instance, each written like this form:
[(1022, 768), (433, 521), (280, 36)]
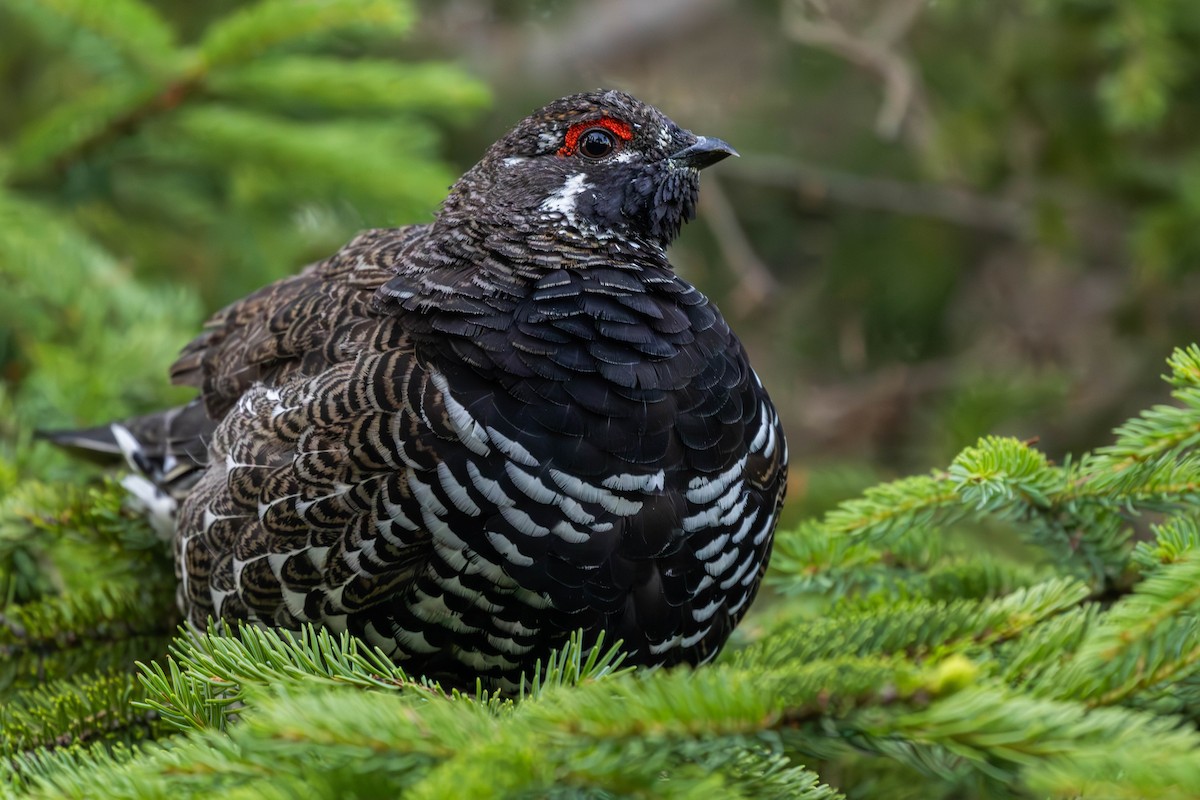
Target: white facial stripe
[(563, 201)]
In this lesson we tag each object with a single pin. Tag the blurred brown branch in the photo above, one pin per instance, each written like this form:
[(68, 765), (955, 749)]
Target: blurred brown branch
[(875, 49), (755, 282), (947, 203), (576, 38)]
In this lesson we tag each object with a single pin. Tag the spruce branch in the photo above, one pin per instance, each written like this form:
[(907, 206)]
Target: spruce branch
[(77, 129), (588, 735), (1161, 484), (334, 159), (23, 573), (914, 629), (1148, 441), (1118, 773), (98, 514), (66, 295), (1174, 540), (73, 712), (26, 773), (973, 576), (625, 733), (763, 773), (1001, 733), (92, 617), (205, 679), (1146, 638), (258, 28), (572, 665), (131, 28), (891, 508), (814, 561), (1041, 654), (104, 591), (358, 87), (1003, 476), (1009, 480), (999, 479)]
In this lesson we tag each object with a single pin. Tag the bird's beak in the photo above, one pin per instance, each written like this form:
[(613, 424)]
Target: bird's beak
[(705, 152)]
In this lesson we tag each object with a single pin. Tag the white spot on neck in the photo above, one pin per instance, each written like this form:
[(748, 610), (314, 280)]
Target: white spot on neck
[(563, 201)]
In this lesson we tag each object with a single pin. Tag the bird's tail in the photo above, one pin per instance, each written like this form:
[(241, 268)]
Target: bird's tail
[(167, 452)]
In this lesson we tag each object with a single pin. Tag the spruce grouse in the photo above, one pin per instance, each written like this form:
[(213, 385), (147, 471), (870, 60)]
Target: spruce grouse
[(465, 440)]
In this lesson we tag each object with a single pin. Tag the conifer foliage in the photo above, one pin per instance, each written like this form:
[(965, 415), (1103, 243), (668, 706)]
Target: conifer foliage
[(1005, 626)]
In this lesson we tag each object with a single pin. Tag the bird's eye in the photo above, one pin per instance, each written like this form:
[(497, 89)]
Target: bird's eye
[(595, 138), (596, 143)]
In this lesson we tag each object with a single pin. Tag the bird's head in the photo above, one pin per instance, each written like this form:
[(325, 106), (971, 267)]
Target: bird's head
[(598, 165)]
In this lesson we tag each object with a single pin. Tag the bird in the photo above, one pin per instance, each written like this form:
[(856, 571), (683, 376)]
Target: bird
[(465, 441)]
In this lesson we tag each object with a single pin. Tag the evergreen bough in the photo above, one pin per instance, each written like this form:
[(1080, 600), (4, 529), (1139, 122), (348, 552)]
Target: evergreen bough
[(1005, 626)]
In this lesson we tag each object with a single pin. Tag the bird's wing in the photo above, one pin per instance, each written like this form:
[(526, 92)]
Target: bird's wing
[(305, 383), (296, 326), (309, 509)]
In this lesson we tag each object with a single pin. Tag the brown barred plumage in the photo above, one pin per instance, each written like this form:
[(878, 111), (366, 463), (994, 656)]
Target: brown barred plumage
[(462, 441)]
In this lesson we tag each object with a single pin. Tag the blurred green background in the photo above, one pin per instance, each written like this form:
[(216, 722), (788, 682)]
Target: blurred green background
[(949, 219)]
